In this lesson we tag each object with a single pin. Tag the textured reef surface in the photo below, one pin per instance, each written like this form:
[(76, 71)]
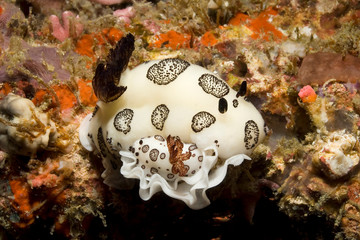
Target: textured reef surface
[(300, 61)]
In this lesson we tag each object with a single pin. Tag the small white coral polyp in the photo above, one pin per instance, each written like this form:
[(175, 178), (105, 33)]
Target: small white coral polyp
[(23, 129), (180, 170)]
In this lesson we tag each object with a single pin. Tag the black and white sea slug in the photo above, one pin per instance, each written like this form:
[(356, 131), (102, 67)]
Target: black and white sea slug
[(167, 123)]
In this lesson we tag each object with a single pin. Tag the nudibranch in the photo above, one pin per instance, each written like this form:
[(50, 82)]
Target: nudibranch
[(173, 125)]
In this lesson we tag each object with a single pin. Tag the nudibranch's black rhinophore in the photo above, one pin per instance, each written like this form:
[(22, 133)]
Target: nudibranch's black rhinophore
[(242, 90), (107, 76), (223, 105)]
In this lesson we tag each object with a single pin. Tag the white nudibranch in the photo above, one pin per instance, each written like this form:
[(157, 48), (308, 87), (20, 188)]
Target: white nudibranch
[(168, 123)]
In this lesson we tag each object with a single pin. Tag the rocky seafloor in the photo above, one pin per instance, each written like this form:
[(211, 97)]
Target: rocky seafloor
[(299, 59)]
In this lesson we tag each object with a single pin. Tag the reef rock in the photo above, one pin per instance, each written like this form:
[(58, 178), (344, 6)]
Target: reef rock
[(322, 66), (23, 129), (337, 156)]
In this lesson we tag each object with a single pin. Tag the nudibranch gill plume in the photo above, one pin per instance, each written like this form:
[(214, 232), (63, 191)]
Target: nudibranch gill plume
[(173, 125)]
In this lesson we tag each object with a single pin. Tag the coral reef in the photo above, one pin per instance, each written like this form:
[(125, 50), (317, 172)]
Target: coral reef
[(320, 67), (307, 94), (125, 14), (108, 2), (300, 60), (63, 32), (24, 129)]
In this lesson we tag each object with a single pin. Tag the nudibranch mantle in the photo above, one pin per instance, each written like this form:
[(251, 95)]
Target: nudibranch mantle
[(175, 126)]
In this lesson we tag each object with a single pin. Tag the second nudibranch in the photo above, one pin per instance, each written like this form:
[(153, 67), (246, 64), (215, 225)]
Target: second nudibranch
[(174, 125)]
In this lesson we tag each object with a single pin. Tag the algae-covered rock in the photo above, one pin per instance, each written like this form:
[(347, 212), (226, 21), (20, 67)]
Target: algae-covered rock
[(24, 129), (322, 66)]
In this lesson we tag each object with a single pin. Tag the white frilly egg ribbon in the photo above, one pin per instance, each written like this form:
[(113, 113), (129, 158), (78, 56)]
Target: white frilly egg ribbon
[(191, 190)]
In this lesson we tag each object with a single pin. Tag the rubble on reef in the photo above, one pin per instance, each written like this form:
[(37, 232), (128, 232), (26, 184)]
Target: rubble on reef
[(300, 60)]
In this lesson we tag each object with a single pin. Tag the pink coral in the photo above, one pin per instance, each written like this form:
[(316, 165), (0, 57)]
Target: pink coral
[(151, 26), (44, 176), (50, 174), (307, 94), (69, 28), (125, 14)]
